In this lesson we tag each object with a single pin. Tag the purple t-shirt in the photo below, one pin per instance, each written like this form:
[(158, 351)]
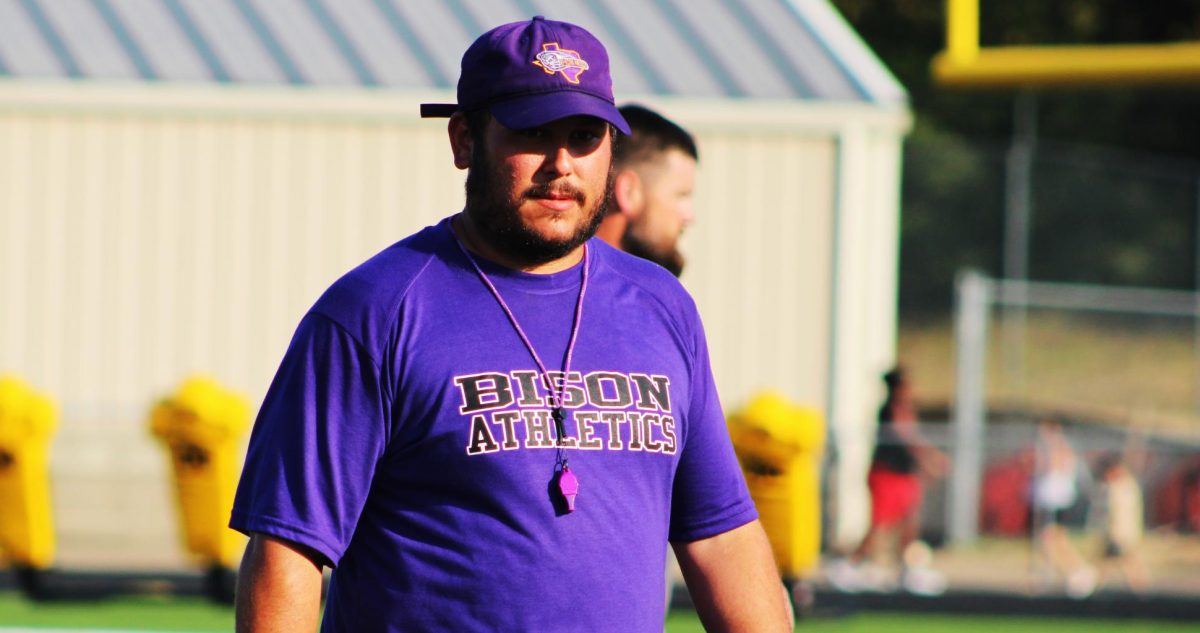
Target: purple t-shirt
[(407, 439)]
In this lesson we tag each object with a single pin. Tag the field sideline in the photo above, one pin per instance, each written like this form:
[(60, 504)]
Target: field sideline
[(165, 614), (861, 623)]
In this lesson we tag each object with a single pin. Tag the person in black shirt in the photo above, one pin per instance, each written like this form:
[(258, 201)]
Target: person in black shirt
[(901, 458)]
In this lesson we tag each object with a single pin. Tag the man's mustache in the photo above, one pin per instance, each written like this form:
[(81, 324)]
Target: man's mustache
[(557, 190)]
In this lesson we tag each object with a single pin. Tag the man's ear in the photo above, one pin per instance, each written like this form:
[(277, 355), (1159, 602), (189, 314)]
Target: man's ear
[(461, 141), (628, 193)]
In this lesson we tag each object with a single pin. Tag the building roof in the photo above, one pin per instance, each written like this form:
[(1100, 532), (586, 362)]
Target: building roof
[(760, 49)]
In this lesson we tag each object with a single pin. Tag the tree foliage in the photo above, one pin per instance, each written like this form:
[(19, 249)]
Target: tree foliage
[(1117, 178)]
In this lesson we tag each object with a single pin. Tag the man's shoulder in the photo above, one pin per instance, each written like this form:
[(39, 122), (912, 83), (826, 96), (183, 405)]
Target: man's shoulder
[(643, 274), (372, 290)]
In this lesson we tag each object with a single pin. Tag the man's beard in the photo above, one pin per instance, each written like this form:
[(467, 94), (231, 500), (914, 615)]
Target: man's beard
[(671, 259), (497, 217)]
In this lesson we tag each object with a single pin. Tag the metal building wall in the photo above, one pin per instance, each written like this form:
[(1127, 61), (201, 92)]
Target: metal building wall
[(152, 232), (147, 234), (760, 260), (863, 332), (147, 241), (794, 261)]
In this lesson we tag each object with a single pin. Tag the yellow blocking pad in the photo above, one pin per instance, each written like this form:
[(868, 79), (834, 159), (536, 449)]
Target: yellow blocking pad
[(201, 426), (28, 421), (965, 64), (779, 445)]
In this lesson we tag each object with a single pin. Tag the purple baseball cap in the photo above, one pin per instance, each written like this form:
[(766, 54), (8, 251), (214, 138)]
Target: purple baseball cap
[(531, 73)]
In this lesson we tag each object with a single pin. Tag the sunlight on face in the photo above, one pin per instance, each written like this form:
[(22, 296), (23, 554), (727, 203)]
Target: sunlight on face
[(667, 184), (538, 194)]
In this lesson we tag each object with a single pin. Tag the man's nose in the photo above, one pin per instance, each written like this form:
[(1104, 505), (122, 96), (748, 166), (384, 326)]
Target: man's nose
[(558, 161), (686, 214)]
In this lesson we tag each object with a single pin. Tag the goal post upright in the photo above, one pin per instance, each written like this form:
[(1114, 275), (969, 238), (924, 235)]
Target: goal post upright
[(973, 296)]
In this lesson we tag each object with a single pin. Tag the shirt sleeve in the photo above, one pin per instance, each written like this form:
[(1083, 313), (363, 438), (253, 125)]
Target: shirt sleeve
[(709, 495), (315, 444)]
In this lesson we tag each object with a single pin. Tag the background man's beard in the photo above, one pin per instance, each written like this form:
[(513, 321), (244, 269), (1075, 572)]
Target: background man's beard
[(670, 259), (498, 220)]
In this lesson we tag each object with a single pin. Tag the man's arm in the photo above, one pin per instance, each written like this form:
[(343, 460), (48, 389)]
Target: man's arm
[(734, 583), (278, 588)]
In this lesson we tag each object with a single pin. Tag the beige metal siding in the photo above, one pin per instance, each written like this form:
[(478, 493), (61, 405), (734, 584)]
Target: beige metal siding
[(142, 244), (140, 251), (759, 260), (844, 335), (863, 333)]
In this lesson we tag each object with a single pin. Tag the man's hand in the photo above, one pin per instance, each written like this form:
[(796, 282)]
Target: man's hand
[(734, 582), (278, 588)]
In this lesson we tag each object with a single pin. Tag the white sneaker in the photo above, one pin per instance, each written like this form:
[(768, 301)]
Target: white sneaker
[(878, 578), (844, 576), (923, 581), (1081, 583)]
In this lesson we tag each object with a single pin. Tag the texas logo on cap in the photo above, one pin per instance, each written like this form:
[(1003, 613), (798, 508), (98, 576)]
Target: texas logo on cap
[(553, 59)]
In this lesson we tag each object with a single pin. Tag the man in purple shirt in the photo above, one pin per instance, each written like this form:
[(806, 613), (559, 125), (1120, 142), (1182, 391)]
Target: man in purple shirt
[(498, 423)]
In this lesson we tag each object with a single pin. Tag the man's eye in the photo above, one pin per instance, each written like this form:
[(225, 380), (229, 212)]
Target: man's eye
[(585, 136)]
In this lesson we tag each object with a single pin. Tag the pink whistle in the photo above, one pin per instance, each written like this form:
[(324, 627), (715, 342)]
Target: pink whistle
[(568, 484)]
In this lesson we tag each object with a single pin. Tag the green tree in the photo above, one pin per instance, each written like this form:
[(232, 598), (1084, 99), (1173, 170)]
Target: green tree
[(1124, 215)]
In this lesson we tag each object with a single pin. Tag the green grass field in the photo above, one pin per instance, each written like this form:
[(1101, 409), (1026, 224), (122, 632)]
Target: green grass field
[(152, 613), (139, 613), (932, 623)]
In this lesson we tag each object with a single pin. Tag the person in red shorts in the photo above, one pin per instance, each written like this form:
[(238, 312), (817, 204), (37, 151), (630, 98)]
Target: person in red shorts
[(900, 460)]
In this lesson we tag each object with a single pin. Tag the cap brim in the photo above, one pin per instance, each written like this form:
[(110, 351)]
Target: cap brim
[(539, 109), (438, 110)]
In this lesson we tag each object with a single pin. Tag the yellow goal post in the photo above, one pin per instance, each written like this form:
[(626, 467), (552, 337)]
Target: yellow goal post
[(965, 64)]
